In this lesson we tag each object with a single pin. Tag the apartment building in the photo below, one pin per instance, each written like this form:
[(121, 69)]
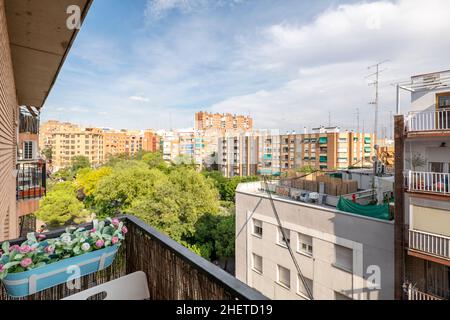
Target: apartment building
[(217, 121), (86, 142), (31, 56), (328, 148), (341, 255), (151, 141), (422, 143), (47, 129), (31, 169), (237, 154), (269, 152)]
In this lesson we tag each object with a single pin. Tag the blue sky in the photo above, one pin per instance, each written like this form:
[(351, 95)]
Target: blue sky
[(288, 63)]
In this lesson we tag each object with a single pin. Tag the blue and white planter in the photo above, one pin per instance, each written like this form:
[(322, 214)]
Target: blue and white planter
[(26, 283)]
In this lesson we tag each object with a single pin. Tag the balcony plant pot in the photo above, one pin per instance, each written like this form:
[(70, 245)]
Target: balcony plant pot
[(23, 284)]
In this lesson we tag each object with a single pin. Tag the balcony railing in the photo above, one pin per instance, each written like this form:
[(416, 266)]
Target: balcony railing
[(429, 121), (415, 294), (173, 272), (431, 182), (31, 180), (430, 243)]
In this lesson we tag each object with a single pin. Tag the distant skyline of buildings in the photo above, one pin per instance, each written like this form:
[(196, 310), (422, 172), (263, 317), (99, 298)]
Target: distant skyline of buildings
[(223, 142)]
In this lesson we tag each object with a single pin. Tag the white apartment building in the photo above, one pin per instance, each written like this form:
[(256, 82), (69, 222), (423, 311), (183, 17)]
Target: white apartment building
[(238, 154), (425, 140), (341, 255)]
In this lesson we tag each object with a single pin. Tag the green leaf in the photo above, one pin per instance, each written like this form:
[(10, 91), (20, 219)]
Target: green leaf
[(31, 237), (5, 247), (11, 264)]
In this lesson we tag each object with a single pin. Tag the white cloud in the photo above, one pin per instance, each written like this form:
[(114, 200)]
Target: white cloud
[(327, 60), (156, 9), (139, 99)]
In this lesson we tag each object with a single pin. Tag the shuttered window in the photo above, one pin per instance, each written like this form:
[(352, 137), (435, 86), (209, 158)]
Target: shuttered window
[(284, 276)]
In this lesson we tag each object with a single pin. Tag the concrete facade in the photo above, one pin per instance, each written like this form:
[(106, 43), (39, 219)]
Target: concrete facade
[(368, 242)]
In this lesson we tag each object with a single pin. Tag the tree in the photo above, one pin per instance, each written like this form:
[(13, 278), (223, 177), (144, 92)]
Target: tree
[(184, 160), (307, 169), (175, 206), (80, 162), (154, 160), (61, 207), (116, 192), (47, 153), (224, 235)]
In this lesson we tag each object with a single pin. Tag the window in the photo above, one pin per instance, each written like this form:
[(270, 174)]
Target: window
[(301, 289), (437, 167), (284, 277), (343, 258), (340, 296), (257, 264), (281, 240), (28, 150), (305, 244), (257, 228)]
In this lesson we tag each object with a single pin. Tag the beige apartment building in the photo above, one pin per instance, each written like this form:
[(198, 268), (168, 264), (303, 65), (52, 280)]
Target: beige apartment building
[(83, 142), (328, 148), (341, 255), (423, 203), (31, 56), (217, 121), (267, 152)]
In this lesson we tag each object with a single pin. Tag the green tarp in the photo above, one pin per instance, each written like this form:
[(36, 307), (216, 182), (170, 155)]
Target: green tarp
[(373, 211)]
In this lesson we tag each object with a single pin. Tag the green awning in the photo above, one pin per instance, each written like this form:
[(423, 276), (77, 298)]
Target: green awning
[(367, 140), (323, 140), (373, 211), (323, 159), (367, 149)]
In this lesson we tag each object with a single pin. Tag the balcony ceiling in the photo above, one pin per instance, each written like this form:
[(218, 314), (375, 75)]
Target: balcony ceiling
[(40, 42)]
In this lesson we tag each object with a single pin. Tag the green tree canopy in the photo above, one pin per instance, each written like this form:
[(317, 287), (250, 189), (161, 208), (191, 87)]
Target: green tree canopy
[(154, 160), (80, 162), (176, 205), (117, 191), (61, 206)]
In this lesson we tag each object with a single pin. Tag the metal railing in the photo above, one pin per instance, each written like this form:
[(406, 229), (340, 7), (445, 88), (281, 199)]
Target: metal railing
[(430, 243), (173, 271), (415, 294), (432, 182), (429, 120), (31, 180)]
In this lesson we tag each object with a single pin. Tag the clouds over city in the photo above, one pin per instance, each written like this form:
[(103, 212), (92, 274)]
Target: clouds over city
[(287, 63)]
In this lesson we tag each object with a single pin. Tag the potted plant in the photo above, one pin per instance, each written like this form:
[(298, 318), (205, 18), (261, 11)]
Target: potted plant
[(40, 263)]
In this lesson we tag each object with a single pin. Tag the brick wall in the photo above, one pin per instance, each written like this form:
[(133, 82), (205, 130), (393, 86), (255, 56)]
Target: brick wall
[(8, 135)]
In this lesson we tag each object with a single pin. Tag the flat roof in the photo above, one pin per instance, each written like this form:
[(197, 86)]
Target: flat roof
[(40, 42)]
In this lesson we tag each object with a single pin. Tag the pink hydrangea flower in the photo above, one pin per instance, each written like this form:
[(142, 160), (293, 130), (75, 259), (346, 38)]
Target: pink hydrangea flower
[(1, 268), (124, 230), (14, 248), (115, 222), (25, 249), (42, 236), (100, 243), (93, 230), (49, 249), (25, 263), (114, 240)]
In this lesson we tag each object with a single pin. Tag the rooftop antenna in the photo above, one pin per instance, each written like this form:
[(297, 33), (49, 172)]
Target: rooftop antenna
[(357, 119), (376, 83)]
